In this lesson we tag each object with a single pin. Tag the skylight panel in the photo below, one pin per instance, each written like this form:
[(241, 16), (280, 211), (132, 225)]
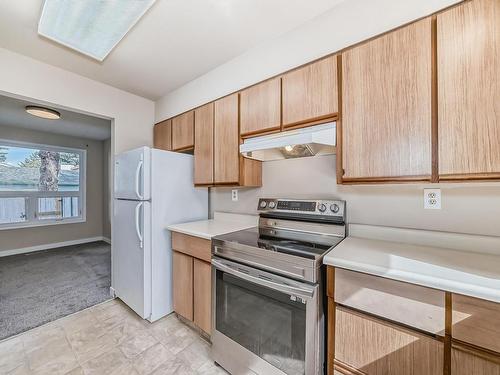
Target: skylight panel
[(92, 27)]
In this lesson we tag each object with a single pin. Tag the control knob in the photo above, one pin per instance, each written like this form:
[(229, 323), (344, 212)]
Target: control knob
[(334, 208), (322, 207), (272, 204), (263, 204)]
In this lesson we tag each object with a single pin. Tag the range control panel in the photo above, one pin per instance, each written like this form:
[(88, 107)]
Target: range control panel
[(303, 206)]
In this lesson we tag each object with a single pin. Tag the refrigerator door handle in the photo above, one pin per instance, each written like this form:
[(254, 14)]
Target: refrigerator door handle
[(137, 224), (137, 179)]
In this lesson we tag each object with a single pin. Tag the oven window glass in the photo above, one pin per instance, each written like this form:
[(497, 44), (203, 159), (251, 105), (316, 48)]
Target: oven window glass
[(262, 320)]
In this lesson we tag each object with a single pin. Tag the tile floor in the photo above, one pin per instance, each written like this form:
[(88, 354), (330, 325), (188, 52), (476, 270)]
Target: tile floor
[(108, 339)]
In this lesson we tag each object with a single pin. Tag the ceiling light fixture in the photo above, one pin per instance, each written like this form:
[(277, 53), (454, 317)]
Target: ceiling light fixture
[(91, 27), (43, 112)]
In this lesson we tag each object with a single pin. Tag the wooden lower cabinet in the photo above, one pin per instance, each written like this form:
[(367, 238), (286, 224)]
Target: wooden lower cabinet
[(183, 284), (471, 363), (192, 279), (376, 347), (476, 322), (202, 295)]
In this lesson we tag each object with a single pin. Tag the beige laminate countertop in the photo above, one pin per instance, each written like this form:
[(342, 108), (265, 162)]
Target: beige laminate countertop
[(423, 259), (222, 223)]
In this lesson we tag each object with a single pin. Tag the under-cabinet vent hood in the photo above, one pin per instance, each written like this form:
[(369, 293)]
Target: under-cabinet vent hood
[(298, 143)]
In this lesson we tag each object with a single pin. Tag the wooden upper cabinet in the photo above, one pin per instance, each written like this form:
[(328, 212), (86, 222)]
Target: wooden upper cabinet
[(162, 135), (310, 93), (386, 107), (468, 58), (204, 145), (260, 108), (230, 168), (183, 131), (227, 141)]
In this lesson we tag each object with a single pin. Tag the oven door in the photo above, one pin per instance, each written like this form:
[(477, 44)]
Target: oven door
[(265, 323)]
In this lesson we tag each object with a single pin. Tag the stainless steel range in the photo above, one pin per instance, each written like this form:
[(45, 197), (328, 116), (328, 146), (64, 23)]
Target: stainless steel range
[(268, 281)]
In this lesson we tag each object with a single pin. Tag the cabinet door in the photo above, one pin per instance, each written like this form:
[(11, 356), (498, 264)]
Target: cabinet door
[(471, 362), (260, 108), (476, 322), (227, 141), (183, 131), (310, 93), (376, 347), (468, 42), (386, 106), (183, 284), (204, 144), (162, 135), (203, 295)]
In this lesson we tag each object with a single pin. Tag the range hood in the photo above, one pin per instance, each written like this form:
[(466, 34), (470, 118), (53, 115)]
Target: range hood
[(298, 143)]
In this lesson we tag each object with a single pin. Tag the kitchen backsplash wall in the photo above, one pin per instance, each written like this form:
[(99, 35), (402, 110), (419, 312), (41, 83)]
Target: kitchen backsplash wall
[(466, 208)]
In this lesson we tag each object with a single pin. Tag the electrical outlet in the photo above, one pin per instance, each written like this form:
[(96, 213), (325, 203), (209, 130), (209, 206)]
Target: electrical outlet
[(432, 199), (234, 195)]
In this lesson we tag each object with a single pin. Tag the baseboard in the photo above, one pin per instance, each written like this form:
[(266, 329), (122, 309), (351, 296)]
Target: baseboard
[(112, 292), (54, 245), (107, 240)]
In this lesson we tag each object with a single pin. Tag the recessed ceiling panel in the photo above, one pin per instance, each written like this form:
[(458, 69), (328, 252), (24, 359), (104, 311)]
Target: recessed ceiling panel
[(92, 27)]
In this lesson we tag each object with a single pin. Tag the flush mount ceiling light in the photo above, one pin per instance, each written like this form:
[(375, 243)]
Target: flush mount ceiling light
[(92, 27), (43, 112)]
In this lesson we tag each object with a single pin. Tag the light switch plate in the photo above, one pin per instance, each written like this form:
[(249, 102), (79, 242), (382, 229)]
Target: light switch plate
[(432, 199), (234, 195)]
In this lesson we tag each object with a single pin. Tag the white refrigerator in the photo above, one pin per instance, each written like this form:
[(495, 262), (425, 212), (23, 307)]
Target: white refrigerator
[(153, 189)]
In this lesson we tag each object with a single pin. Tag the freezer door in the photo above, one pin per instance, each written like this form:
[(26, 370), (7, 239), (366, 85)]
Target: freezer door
[(133, 174), (132, 254)]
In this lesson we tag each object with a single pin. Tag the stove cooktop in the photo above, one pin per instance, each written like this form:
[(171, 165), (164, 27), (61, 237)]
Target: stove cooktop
[(291, 239), (254, 238)]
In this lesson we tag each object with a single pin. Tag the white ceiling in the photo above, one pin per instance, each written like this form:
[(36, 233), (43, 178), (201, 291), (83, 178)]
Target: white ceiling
[(175, 42), (13, 113)]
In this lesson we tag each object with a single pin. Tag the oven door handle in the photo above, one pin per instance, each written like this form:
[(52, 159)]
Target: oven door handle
[(281, 287)]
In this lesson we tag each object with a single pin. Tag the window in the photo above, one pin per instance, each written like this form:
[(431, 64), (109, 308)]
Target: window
[(40, 185)]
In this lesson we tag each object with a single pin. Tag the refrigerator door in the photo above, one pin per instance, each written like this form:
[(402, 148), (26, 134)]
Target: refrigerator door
[(174, 200), (133, 174), (132, 254)]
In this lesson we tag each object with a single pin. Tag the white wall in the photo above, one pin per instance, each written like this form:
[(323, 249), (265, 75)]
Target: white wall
[(107, 184), (466, 207), (346, 24), (133, 116)]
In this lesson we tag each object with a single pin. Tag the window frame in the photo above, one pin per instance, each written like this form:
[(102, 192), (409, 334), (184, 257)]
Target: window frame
[(31, 197)]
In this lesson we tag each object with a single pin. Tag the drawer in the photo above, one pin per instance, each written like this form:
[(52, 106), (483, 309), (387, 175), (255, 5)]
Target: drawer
[(196, 247), (476, 322), (377, 347), (413, 305)]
